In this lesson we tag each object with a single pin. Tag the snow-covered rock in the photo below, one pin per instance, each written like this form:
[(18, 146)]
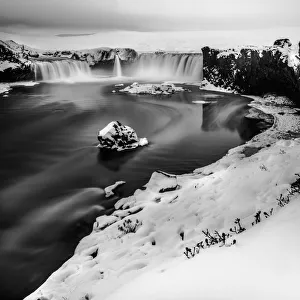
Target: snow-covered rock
[(109, 191), (152, 89), (116, 136)]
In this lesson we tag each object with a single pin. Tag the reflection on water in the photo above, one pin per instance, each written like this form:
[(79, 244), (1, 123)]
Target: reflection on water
[(52, 177)]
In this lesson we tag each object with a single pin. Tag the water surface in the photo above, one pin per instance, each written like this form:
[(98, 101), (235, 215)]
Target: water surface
[(52, 176)]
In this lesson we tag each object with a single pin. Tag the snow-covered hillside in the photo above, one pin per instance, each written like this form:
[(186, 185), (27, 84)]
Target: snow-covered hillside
[(264, 265), (138, 251)]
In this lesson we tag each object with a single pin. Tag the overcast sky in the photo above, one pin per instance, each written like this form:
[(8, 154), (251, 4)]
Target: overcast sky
[(148, 24), (63, 16)]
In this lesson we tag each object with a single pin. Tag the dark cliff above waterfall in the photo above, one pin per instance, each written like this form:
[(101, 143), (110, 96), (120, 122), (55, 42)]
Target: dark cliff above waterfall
[(16, 60), (95, 56), (14, 63), (255, 70)]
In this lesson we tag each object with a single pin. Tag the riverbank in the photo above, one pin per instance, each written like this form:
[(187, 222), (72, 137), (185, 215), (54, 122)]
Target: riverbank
[(147, 234)]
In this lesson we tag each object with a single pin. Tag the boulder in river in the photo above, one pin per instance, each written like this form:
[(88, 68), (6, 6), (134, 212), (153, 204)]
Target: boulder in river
[(152, 89), (116, 136)]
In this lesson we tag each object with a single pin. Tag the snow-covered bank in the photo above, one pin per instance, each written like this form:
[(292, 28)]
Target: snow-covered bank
[(6, 87), (206, 85), (169, 214), (109, 190)]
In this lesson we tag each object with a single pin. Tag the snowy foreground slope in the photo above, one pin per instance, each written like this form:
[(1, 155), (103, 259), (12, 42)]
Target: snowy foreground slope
[(170, 213), (263, 265)]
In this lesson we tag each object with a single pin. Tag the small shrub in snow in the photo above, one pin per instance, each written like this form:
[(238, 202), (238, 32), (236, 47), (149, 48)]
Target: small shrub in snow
[(182, 235), (263, 167), (237, 229), (129, 227), (257, 217), (268, 214), (188, 252), (217, 238), (210, 240), (282, 151), (221, 237), (282, 201)]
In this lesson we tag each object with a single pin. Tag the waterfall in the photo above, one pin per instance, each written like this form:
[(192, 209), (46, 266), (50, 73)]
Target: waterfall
[(117, 67), (169, 66), (62, 70)]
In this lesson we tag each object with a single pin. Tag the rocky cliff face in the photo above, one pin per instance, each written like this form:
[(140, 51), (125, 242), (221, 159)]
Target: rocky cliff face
[(255, 71), (14, 63), (96, 56), (16, 60)]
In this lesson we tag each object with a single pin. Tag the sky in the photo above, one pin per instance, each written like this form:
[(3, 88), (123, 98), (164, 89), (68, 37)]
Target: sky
[(64, 20)]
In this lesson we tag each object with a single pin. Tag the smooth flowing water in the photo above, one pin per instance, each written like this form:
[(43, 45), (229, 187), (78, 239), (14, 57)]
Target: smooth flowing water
[(168, 66), (52, 176), (117, 67), (62, 70)]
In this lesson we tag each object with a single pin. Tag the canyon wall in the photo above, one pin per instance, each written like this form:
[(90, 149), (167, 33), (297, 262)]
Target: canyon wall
[(255, 70), (17, 61), (248, 70)]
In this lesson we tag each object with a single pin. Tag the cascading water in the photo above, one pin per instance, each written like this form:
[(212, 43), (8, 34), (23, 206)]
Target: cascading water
[(62, 70), (117, 67), (169, 66)]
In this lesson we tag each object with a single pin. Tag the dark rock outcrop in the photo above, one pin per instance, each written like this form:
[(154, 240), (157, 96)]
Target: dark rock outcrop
[(283, 43), (14, 64), (254, 71), (97, 56)]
